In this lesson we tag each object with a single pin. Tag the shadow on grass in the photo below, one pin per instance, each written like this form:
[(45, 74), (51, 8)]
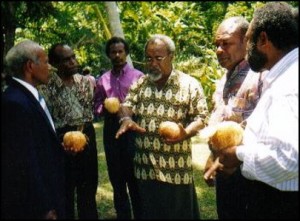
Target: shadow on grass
[(205, 194)]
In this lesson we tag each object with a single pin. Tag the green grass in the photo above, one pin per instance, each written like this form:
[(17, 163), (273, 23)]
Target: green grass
[(206, 195)]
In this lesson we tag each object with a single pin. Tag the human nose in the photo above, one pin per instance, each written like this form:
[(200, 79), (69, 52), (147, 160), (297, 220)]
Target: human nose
[(219, 49), (73, 61)]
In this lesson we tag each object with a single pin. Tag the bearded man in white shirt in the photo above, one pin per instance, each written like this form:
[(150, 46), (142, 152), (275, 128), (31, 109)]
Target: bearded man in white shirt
[(270, 151)]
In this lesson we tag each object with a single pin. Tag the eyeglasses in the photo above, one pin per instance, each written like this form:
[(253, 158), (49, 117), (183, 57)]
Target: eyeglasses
[(158, 59)]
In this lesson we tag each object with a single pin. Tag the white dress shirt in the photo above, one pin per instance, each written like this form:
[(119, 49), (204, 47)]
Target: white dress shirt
[(270, 150)]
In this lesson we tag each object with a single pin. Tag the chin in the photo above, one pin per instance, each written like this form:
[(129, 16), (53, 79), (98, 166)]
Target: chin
[(155, 78)]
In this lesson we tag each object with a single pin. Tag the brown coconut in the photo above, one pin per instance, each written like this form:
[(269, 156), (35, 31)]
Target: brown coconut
[(74, 141), (112, 104), (227, 134), (169, 129)]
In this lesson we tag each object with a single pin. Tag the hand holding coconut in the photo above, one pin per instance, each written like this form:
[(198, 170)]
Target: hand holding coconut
[(171, 132), (223, 136)]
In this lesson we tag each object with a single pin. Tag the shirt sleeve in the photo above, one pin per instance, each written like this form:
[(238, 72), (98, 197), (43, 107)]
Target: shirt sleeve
[(99, 97), (271, 146)]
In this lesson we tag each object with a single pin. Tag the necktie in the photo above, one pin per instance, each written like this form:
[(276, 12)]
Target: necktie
[(44, 106)]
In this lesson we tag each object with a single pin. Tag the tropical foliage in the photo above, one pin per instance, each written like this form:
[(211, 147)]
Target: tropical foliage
[(85, 26)]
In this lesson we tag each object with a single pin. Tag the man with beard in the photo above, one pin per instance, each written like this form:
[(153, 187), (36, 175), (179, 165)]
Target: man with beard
[(234, 99), (163, 165), (69, 96), (270, 151), (119, 153)]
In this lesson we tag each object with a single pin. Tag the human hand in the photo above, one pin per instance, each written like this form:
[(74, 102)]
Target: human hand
[(215, 167), (129, 125), (228, 157), (75, 141), (175, 139), (51, 215), (210, 171)]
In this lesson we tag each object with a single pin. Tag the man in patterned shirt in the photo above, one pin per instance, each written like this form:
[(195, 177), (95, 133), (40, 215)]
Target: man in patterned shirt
[(69, 96), (234, 99), (163, 166)]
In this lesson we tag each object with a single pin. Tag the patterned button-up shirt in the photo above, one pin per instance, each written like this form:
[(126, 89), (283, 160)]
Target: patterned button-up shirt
[(236, 95), (71, 106), (181, 100)]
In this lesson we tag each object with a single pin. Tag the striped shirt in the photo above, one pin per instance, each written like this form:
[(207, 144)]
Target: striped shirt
[(270, 150)]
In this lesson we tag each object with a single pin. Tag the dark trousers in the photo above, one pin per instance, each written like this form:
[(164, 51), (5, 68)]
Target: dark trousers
[(119, 157), (82, 176), (241, 198), (163, 201), (267, 202), (232, 194)]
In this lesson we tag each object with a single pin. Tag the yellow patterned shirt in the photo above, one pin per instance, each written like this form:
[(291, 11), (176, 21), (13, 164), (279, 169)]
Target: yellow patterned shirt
[(181, 100)]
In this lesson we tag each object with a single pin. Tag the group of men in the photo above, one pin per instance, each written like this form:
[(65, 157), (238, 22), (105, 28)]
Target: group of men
[(258, 179)]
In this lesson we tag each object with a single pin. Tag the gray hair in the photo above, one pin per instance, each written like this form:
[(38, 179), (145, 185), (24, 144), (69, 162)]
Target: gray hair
[(167, 40), (19, 54)]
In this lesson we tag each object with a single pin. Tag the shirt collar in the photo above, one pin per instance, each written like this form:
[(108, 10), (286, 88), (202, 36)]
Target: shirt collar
[(125, 69), (280, 67), (32, 89)]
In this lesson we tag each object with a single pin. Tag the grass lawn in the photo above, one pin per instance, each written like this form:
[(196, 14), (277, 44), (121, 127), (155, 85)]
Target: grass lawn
[(206, 195)]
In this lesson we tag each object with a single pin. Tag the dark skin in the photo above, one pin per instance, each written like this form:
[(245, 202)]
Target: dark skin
[(37, 73), (68, 65), (228, 156), (66, 68), (117, 56), (161, 70), (230, 50)]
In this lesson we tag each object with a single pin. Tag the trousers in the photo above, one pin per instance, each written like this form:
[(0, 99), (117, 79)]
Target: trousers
[(81, 176)]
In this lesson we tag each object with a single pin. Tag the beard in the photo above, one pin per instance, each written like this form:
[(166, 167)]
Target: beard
[(154, 75), (256, 59)]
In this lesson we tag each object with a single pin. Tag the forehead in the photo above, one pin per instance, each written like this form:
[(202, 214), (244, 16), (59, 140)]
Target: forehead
[(226, 31), (156, 46), (64, 51), (41, 53), (117, 46)]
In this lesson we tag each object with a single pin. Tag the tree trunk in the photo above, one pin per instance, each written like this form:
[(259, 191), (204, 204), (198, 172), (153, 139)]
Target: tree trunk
[(8, 29), (114, 22)]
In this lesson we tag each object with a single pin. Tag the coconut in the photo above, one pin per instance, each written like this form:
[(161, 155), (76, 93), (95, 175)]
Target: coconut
[(227, 134), (74, 141), (112, 104), (169, 129)]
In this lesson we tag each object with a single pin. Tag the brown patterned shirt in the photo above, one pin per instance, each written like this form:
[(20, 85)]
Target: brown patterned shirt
[(69, 105), (181, 100), (236, 95)]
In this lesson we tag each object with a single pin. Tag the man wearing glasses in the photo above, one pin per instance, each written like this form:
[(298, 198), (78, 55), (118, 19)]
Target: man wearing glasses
[(163, 165)]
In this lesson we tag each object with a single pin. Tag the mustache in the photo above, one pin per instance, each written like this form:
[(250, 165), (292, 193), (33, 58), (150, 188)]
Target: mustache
[(153, 71)]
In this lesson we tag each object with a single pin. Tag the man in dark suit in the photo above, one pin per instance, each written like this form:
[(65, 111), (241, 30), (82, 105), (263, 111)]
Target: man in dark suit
[(32, 174)]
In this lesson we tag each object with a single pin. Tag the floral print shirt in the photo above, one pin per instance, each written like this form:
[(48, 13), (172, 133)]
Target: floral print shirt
[(71, 106), (236, 95), (181, 100)]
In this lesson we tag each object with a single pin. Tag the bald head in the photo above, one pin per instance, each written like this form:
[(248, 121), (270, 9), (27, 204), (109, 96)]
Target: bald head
[(230, 42), (234, 25)]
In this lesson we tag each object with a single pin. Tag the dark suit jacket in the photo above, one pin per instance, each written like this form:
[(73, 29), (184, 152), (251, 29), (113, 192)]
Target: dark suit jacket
[(32, 164)]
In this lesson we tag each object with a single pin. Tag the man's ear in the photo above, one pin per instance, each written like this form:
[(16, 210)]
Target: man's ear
[(263, 40)]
